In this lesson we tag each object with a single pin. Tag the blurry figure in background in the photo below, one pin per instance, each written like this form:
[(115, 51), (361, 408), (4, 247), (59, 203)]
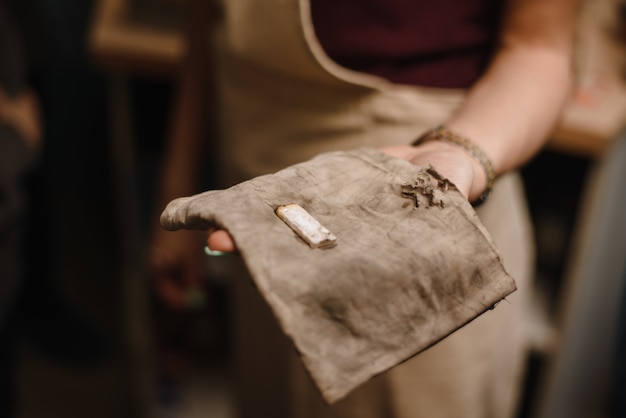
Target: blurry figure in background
[(182, 300), (297, 78), (20, 136)]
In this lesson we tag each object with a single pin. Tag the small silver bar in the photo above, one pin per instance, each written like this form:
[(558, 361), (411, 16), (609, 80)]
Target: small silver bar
[(306, 226)]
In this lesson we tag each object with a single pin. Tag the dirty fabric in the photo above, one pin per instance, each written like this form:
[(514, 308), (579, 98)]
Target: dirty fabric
[(412, 264)]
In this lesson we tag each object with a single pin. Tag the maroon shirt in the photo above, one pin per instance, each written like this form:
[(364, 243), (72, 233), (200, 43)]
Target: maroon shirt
[(436, 43)]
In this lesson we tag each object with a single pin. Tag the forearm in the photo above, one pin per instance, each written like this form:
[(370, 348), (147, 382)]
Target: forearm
[(186, 144), (511, 111), (184, 148)]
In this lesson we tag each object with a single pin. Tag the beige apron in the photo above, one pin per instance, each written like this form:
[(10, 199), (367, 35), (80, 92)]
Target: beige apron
[(283, 101)]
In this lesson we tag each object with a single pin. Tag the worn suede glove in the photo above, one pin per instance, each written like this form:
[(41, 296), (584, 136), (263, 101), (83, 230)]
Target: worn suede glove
[(412, 263)]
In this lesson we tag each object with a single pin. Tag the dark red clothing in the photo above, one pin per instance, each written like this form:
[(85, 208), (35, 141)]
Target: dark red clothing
[(437, 43)]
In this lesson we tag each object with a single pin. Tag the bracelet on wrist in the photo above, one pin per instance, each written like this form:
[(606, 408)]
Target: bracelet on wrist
[(441, 133)]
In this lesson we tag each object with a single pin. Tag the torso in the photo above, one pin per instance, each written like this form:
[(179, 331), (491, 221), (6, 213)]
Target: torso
[(443, 43)]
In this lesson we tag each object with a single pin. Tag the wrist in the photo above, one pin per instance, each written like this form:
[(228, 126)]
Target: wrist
[(483, 171)]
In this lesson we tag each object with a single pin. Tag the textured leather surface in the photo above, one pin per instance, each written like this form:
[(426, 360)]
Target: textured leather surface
[(412, 264)]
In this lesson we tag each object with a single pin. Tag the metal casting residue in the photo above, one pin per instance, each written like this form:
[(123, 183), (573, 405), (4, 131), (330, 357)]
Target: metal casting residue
[(424, 188)]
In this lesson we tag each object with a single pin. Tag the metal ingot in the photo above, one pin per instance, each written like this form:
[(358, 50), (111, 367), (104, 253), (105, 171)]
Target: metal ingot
[(306, 226)]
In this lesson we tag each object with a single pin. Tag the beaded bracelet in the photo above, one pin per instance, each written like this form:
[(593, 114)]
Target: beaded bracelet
[(440, 133)]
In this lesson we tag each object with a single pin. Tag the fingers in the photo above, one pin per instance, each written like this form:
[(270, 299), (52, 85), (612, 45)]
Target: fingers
[(176, 270), (167, 283), (176, 273), (177, 294), (450, 160), (170, 293), (220, 240)]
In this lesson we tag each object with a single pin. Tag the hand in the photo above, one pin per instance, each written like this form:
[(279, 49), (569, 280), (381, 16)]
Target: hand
[(176, 266), (220, 240), (22, 112), (450, 160)]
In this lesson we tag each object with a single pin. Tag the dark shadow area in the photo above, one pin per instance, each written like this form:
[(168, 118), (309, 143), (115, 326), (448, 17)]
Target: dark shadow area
[(554, 183)]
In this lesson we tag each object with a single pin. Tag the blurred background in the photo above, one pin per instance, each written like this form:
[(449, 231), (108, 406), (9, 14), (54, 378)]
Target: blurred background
[(83, 329)]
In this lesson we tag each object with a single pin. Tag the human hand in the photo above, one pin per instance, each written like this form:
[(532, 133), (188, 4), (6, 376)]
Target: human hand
[(450, 160), (176, 265), (23, 113)]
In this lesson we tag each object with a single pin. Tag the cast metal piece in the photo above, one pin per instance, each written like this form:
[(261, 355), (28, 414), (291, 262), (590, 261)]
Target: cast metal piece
[(306, 226)]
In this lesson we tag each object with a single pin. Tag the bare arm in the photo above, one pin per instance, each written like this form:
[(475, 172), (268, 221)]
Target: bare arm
[(510, 112), (176, 258), (185, 145)]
